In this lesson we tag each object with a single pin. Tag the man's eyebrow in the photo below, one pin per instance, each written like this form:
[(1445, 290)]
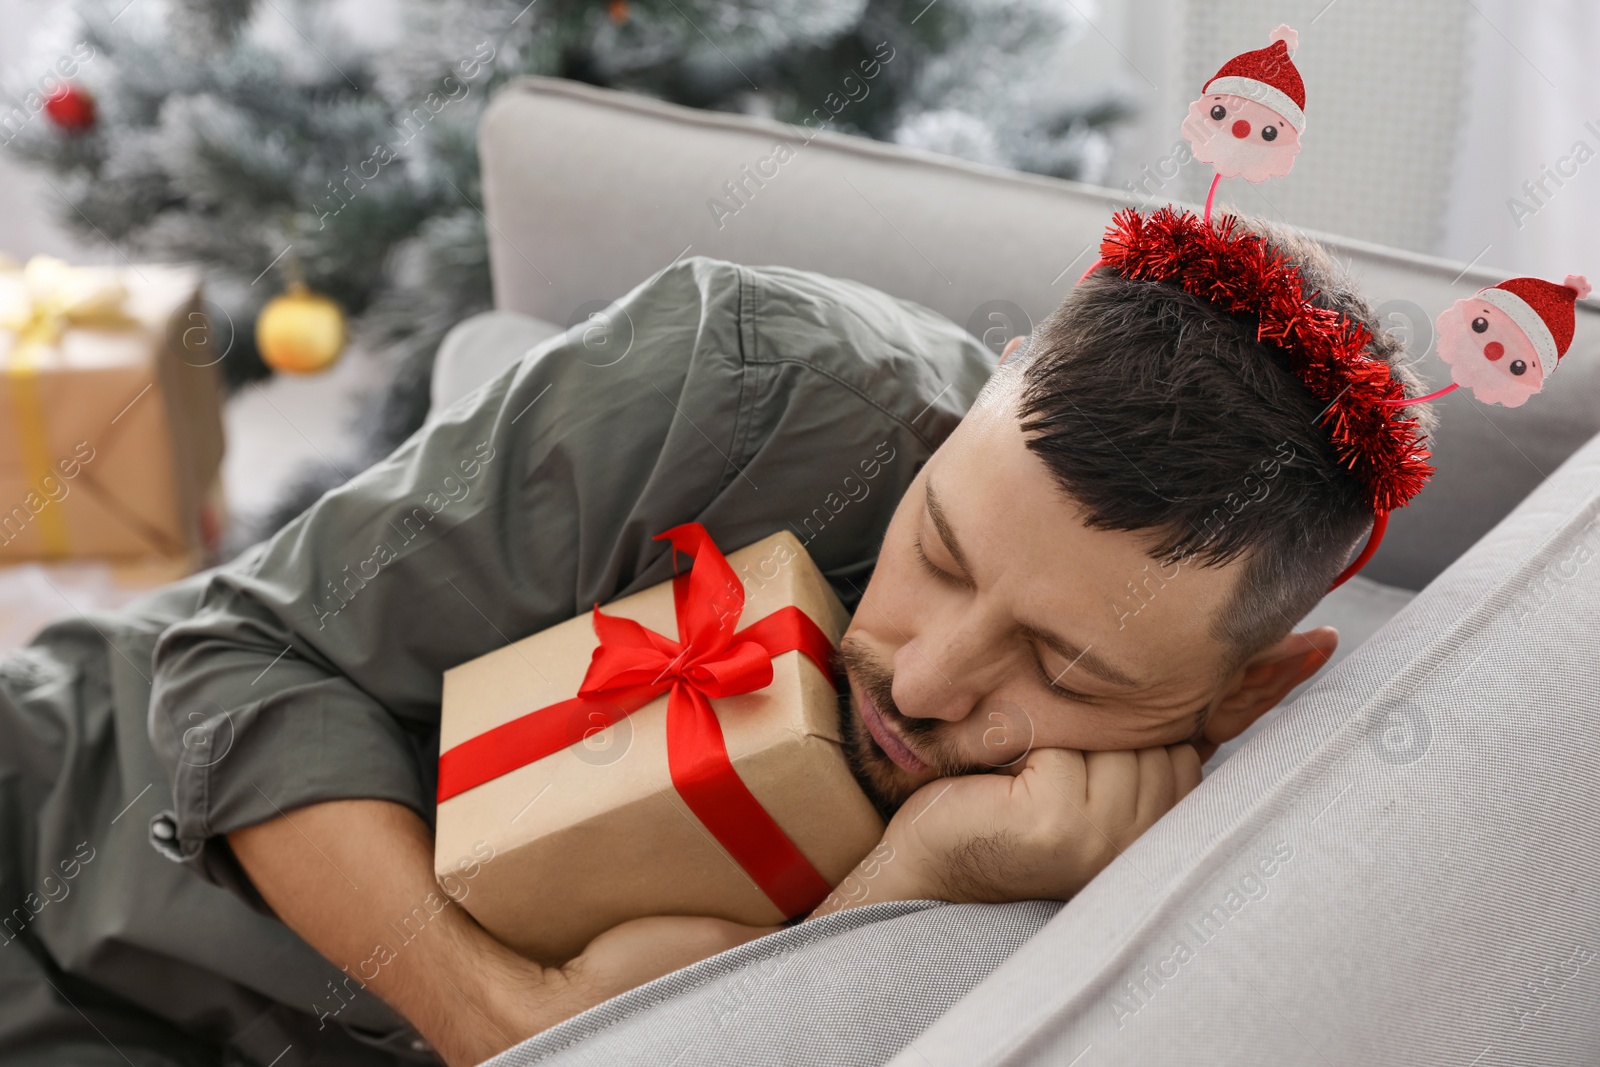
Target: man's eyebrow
[(1078, 657), (942, 524)]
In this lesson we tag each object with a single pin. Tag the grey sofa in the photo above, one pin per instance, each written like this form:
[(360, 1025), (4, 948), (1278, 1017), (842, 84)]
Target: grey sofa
[(1399, 866)]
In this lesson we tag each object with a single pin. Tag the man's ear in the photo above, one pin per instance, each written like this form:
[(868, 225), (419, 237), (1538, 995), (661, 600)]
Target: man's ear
[(1263, 681), (1011, 346)]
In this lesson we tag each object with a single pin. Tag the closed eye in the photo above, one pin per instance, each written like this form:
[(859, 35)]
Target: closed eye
[(1059, 690), (932, 568)]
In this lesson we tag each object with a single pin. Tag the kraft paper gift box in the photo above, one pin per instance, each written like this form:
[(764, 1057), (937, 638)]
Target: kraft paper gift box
[(110, 424), (597, 832)]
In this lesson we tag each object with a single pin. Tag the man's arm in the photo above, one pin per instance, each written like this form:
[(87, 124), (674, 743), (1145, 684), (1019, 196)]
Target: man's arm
[(339, 872), (310, 669)]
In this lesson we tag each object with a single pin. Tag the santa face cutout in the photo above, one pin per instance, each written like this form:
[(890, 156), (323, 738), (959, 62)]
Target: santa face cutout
[(1251, 114), (1504, 340), (1241, 138), (1489, 354)]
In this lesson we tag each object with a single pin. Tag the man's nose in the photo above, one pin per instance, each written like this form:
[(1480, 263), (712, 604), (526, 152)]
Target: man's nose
[(944, 672), (1241, 129)]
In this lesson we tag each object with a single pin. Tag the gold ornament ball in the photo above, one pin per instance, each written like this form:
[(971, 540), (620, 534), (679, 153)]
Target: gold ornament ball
[(300, 332)]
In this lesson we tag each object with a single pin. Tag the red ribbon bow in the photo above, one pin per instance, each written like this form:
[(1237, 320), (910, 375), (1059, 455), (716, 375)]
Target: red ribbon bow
[(632, 666)]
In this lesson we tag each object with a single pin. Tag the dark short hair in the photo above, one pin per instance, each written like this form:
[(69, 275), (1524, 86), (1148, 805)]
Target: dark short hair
[(1161, 414)]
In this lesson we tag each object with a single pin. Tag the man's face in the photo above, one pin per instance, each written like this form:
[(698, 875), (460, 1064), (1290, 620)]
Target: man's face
[(996, 622)]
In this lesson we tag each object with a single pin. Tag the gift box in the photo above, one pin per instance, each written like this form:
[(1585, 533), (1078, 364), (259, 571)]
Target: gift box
[(110, 422), (674, 753)]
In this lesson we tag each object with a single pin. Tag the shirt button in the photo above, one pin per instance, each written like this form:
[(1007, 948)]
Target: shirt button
[(164, 835)]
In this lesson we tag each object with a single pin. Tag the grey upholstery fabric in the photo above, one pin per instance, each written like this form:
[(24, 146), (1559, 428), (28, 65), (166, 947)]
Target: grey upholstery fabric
[(836, 990), (1436, 795), (591, 191), (477, 349)]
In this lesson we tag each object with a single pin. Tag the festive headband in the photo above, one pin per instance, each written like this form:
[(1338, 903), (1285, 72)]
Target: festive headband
[(1500, 343)]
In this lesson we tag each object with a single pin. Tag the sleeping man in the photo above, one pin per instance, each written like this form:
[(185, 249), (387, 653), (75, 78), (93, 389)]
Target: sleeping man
[(1072, 578)]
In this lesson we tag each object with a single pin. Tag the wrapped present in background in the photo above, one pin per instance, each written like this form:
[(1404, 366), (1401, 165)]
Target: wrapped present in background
[(697, 771), (110, 421)]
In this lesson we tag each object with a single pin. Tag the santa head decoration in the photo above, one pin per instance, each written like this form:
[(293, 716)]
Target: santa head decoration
[(1502, 342), (1250, 117)]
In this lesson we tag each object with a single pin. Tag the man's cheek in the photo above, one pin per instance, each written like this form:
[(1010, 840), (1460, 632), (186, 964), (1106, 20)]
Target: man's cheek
[(999, 735)]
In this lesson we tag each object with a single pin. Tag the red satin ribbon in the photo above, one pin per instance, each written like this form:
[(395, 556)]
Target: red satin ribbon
[(631, 667)]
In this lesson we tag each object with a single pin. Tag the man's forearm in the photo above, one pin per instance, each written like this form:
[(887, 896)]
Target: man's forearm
[(337, 873)]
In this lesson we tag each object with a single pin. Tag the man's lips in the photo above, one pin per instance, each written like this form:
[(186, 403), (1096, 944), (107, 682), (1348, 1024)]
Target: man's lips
[(888, 740)]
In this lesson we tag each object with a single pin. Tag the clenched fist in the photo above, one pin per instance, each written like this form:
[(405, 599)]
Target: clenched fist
[(1038, 830), (1044, 829)]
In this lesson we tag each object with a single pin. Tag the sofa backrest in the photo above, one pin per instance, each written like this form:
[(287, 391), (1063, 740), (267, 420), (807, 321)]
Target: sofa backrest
[(589, 191)]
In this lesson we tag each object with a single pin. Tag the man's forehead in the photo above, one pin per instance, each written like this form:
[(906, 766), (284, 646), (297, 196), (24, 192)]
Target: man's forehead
[(1094, 588)]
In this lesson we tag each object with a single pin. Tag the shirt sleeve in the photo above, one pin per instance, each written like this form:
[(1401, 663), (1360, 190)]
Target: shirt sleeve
[(312, 668)]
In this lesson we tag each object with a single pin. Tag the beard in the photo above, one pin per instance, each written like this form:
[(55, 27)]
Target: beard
[(886, 784)]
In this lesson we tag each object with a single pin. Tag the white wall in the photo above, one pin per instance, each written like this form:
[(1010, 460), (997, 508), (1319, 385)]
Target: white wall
[(1533, 101)]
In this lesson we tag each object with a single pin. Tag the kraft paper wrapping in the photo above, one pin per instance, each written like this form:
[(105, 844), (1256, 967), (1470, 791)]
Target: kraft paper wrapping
[(596, 834)]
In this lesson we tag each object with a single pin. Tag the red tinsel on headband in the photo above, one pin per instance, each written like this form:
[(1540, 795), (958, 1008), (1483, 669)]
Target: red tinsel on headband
[(1243, 275)]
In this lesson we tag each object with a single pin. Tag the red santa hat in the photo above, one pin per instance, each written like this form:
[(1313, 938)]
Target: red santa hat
[(1542, 310), (1267, 76)]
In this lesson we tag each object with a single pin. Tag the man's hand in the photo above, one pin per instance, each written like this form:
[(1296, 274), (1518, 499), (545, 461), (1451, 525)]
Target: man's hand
[(1043, 831), (1038, 830)]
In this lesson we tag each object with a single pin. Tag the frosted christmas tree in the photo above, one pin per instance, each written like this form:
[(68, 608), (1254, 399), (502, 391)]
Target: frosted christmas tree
[(296, 160)]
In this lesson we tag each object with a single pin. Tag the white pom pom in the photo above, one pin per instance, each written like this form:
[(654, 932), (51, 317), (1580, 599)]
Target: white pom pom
[(1578, 282), (1287, 36)]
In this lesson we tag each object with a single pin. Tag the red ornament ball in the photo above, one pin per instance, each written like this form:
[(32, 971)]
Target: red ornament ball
[(71, 108)]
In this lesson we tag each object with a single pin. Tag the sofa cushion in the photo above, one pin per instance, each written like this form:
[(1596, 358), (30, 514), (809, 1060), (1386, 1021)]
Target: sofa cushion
[(829, 991), (478, 348)]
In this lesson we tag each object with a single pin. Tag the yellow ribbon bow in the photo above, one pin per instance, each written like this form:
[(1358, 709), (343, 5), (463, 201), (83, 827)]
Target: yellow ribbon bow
[(38, 304)]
